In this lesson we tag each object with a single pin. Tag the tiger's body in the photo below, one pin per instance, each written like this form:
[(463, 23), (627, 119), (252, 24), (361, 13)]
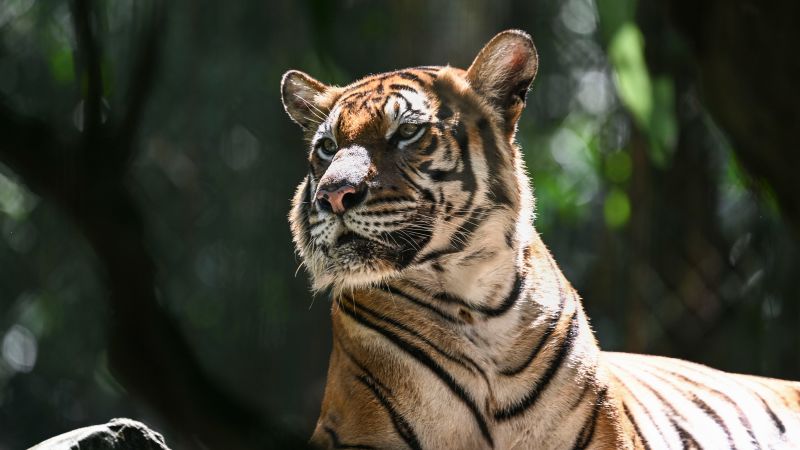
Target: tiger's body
[(453, 326)]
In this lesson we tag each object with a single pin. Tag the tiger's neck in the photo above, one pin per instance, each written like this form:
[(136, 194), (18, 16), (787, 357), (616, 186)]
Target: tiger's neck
[(495, 338)]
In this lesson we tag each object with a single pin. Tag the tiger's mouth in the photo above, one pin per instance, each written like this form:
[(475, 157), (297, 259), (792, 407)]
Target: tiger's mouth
[(351, 238), (353, 246), (353, 259), (367, 247)]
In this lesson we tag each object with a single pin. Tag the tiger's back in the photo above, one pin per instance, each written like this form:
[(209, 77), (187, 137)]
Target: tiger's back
[(453, 326), (668, 401)]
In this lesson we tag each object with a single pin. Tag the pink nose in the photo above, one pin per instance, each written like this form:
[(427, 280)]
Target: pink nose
[(335, 199)]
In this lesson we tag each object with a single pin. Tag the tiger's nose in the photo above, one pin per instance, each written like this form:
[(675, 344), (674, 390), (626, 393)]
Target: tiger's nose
[(338, 200)]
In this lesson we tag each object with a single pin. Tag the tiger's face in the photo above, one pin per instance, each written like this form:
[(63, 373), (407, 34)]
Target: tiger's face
[(403, 165)]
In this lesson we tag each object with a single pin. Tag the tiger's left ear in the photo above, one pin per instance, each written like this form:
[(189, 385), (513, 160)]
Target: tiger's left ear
[(503, 71)]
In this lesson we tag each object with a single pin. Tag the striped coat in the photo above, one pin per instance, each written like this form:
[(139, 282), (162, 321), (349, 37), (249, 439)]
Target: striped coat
[(453, 326)]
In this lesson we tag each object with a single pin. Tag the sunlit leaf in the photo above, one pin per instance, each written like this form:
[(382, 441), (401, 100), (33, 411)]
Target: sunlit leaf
[(61, 65), (14, 201), (617, 208), (626, 52), (663, 126), (614, 14), (618, 167)]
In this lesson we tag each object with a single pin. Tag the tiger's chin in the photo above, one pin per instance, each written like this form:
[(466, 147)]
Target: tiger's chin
[(352, 264)]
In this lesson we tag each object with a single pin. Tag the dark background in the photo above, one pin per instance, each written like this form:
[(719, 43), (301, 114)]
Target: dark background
[(146, 166)]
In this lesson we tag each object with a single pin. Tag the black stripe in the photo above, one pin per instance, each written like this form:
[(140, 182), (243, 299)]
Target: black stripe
[(673, 413), (697, 401), (635, 426), (383, 77), (338, 444), (305, 214), (403, 87), (425, 359), (533, 395), (444, 112), (426, 194), (687, 440), (355, 361), (419, 239), (765, 384), (468, 182), (348, 99), (745, 421), (494, 162), (402, 426), (387, 212), (456, 244), (405, 99), (775, 420), (645, 409), (410, 76), (462, 360), (437, 175), (586, 389), (509, 301), (380, 200), (370, 79), (433, 145), (587, 430), (391, 290), (551, 328)]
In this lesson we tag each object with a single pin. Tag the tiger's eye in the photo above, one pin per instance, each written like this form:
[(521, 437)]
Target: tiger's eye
[(407, 130), (327, 146)]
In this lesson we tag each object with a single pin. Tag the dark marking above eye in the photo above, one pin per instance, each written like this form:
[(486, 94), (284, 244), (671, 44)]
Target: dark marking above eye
[(410, 76), (403, 87), (444, 112)]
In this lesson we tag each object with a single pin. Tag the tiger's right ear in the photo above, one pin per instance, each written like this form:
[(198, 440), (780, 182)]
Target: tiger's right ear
[(306, 100)]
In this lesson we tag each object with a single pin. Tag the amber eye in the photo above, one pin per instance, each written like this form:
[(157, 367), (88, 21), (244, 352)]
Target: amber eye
[(407, 130), (327, 148)]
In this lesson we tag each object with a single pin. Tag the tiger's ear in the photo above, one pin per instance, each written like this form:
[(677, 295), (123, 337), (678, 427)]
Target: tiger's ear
[(304, 98), (503, 71)]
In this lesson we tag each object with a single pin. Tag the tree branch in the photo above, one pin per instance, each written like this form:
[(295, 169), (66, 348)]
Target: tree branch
[(141, 80), (89, 51)]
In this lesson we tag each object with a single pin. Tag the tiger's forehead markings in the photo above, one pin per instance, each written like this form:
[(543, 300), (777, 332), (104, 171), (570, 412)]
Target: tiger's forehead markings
[(382, 103)]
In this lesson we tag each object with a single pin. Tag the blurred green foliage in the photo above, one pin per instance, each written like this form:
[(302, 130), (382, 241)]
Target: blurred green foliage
[(609, 143)]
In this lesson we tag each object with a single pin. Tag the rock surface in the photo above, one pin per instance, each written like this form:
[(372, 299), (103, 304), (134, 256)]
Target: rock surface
[(118, 434)]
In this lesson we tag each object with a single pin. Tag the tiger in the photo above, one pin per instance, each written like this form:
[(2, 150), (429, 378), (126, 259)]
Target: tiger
[(453, 327)]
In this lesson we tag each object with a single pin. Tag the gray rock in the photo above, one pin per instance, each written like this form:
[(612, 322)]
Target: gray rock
[(118, 434)]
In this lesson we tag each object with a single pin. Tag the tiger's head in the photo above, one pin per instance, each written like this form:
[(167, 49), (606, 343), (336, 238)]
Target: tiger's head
[(406, 167)]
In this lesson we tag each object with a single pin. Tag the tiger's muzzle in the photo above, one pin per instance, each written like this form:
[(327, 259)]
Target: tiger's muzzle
[(344, 184)]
